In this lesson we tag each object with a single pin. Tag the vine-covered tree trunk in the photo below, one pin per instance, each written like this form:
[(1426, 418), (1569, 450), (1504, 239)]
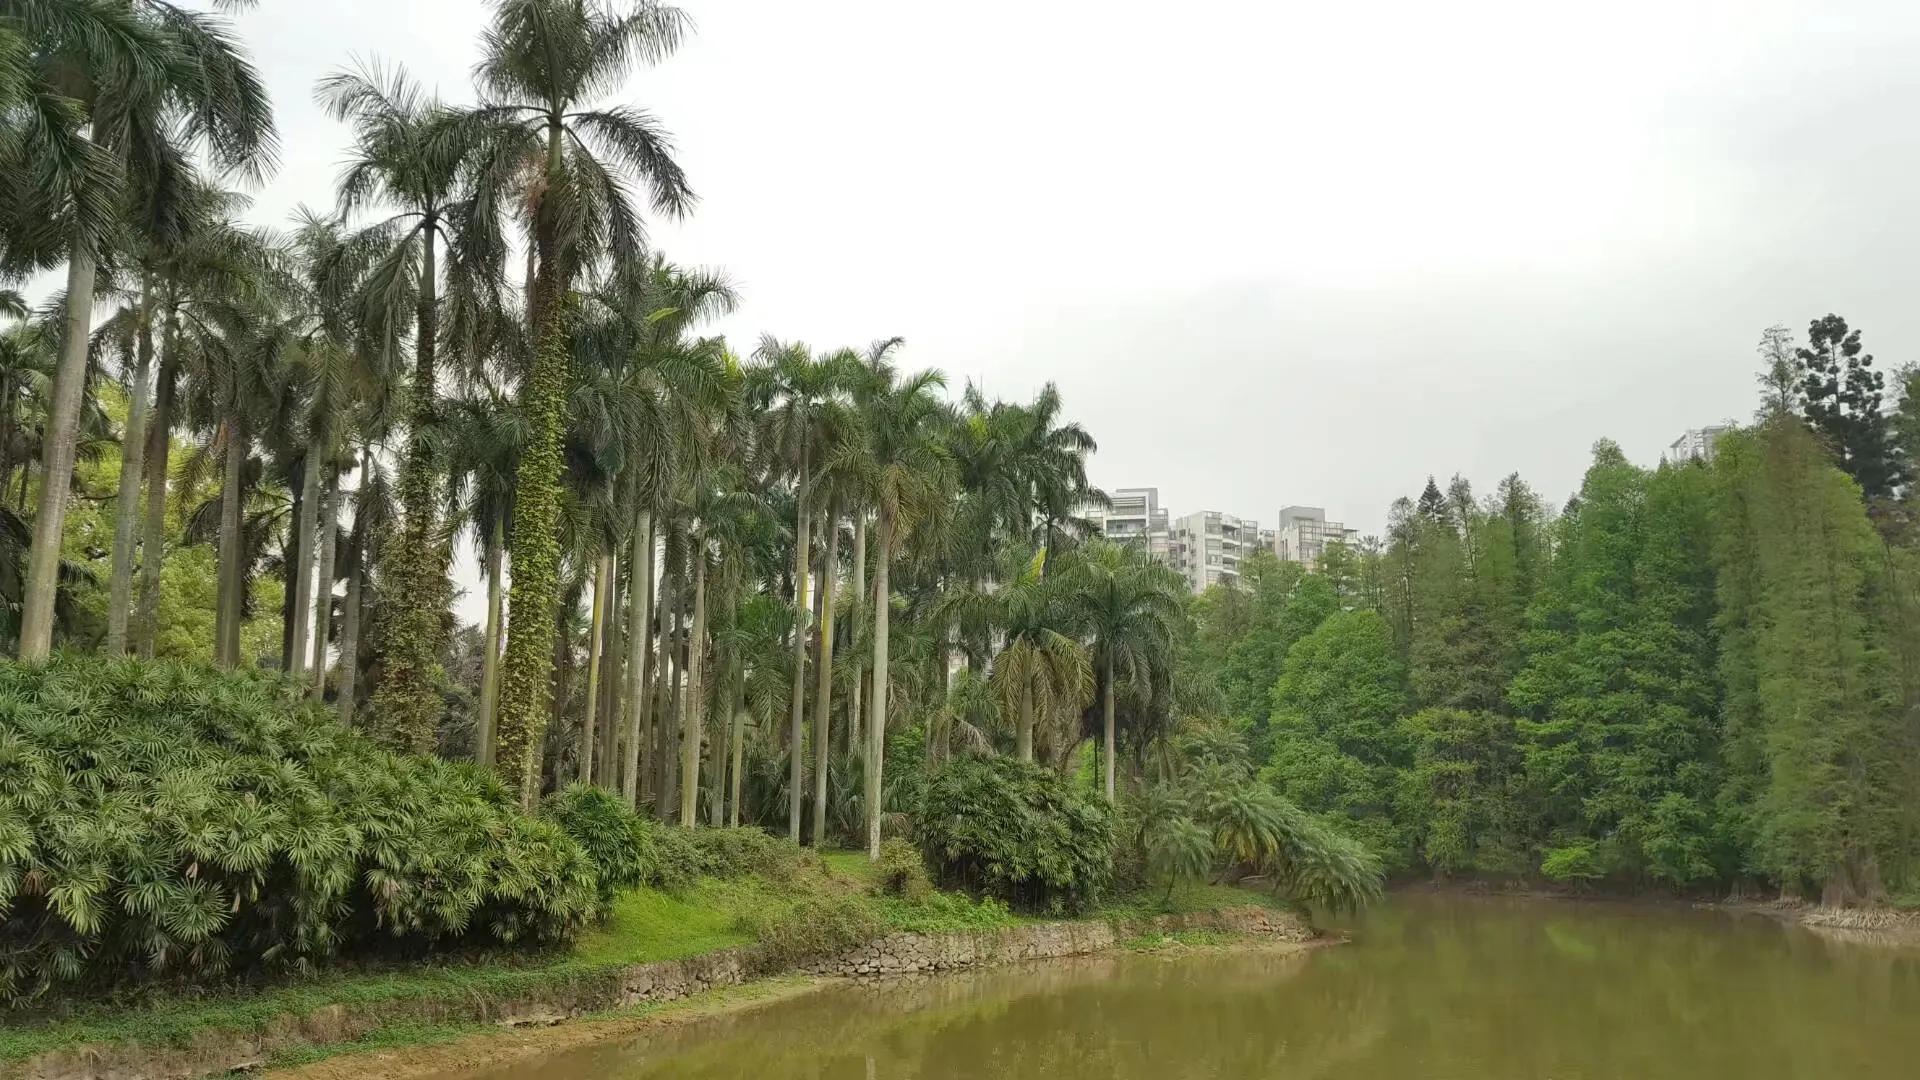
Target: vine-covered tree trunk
[(407, 701), (525, 678), (133, 448), (736, 739), (60, 444), (606, 755), (877, 722), (1106, 711), (228, 599), (859, 586), (490, 663), (694, 708)]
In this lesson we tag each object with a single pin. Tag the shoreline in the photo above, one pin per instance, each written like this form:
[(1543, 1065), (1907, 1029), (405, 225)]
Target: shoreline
[(412, 1036)]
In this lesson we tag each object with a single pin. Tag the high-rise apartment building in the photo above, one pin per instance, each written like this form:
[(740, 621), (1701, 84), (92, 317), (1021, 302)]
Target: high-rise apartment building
[(1134, 516), (1208, 547), (1697, 444), (1304, 534)]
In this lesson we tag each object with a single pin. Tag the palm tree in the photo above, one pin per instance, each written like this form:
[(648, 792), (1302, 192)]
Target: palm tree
[(1129, 605), (148, 79), (800, 398), (484, 436), (544, 149), (407, 154), (901, 466), (1042, 670)]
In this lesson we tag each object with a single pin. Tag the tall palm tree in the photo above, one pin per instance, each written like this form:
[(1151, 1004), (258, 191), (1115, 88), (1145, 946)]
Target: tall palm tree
[(901, 465), (547, 150), (484, 435), (141, 85), (1129, 605), (407, 154)]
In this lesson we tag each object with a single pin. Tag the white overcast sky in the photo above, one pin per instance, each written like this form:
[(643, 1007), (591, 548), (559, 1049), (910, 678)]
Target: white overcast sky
[(1272, 252)]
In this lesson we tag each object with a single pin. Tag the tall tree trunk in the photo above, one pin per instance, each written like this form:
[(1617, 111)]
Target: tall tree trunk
[(665, 758), (670, 718), (1106, 709), (639, 648), (1025, 738), (56, 461), (736, 738), (356, 580), (227, 625), (490, 663), (877, 722), (606, 756), (408, 697), (153, 541), (526, 671), (823, 683), (302, 569), (596, 638), (796, 738), (9, 426), (695, 706), (133, 449), (323, 581), (859, 662)]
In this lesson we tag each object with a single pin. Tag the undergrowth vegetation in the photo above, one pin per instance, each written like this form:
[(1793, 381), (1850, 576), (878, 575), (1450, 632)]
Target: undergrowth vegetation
[(160, 820)]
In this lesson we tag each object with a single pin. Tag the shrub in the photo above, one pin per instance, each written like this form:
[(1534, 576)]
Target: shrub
[(902, 871), (813, 927), (618, 841), (1017, 831), (683, 856), (161, 819)]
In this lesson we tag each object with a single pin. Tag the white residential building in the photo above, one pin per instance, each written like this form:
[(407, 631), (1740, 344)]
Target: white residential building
[(1135, 517), (1304, 534), (1697, 444), (1208, 547)]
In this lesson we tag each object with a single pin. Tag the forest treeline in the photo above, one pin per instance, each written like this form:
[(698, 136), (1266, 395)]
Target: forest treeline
[(1696, 676)]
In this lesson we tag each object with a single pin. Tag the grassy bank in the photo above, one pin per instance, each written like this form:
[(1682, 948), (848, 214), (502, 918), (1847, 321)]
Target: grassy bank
[(812, 905)]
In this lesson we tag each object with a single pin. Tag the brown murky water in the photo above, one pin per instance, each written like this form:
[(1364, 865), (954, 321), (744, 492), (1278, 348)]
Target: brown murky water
[(1441, 987)]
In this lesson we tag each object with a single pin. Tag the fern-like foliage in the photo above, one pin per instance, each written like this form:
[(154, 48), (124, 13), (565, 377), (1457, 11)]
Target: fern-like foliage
[(164, 820)]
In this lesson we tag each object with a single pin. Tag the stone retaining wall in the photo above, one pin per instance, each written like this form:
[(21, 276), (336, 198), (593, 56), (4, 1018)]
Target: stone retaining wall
[(228, 1050)]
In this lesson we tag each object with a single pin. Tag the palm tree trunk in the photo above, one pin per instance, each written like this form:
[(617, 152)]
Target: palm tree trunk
[(350, 629), (56, 461), (153, 541), (133, 448), (798, 706), (1106, 709), (823, 683), (596, 637), (323, 581), (664, 758), (639, 648), (227, 629), (859, 586), (694, 706), (526, 670), (877, 722), (1025, 738), (606, 756), (302, 570), (490, 663), (736, 738)]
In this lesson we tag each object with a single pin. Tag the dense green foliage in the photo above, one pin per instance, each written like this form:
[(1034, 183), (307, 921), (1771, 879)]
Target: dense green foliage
[(619, 842), (160, 820), (1694, 676), (1017, 831)]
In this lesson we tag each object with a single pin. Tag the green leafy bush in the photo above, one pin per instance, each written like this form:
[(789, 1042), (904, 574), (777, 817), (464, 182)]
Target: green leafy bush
[(1577, 863), (1017, 831), (617, 840), (814, 927), (158, 819), (902, 870)]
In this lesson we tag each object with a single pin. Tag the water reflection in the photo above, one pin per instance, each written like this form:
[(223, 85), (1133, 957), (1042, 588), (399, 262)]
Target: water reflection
[(1432, 986)]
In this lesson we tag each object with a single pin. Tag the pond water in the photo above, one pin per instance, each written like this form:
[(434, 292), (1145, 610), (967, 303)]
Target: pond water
[(1431, 986)]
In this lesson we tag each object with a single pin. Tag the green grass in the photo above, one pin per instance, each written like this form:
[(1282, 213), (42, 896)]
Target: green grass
[(1180, 939)]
